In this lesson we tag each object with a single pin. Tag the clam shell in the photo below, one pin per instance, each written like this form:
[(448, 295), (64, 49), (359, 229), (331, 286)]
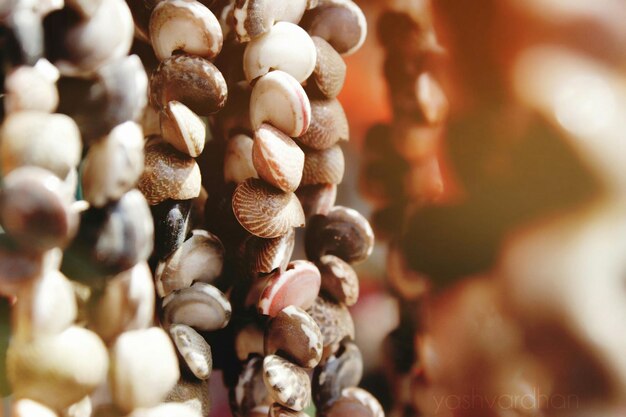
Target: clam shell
[(144, 368), (277, 410), (250, 391), (298, 285), (58, 370), (238, 165), (265, 255), (288, 384), (182, 128), (339, 279), (344, 232), (193, 349), (294, 335), (335, 323), (168, 174), (199, 259), (201, 306), (330, 69), (356, 402), (265, 211), (323, 167), (194, 394), (342, 371), (329, 125), (171, 226), (317, 198), (277, 158)]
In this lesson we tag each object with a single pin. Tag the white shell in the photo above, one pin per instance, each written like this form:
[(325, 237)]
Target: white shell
[(238, 165)]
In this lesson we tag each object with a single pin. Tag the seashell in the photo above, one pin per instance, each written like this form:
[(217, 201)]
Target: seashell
[(50, 141), (340, 371), (265, 255), (193, 349), (277, 410), (250, 391), (431, 99), (317, 198), (82, 408), (112, 239), (323, 167), (144, 368), (356, 402), (238, 165), (126, 304), (58, 370), (298, 285), (335, 323), (195, 394), (201, 306), (29, 408), (330, 69), (329, 125), (339, 22), (285, 47), (191, 80), (294, 335), (252, 18), (199, 259), (277, 159), (187, 26), (167, 410), (279, 99), (113, 165), (168, 174), (36, 210), (248, 342), (344, 232), (183, 129), (171, 224), (18, 268), (339, 280), (31, 88), (85, 46), (265, 211), (286, 383), (47, 307)]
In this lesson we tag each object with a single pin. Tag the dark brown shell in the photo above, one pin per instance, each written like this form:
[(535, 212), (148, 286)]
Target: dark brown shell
[(265, 211), (323, 167), (340, 371), (335, 323), (328, 126), (339, 279), (192, 80), (317, 198), (330, 69), (168, 174)]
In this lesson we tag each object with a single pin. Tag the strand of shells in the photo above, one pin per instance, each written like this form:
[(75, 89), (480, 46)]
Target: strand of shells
[(282, 163)]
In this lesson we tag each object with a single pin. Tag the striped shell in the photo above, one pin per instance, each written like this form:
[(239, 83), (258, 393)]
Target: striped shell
[(265, 211), (323, 167), (329, 125), (265, 255), (277, 158), (330, 69), (288, 384)]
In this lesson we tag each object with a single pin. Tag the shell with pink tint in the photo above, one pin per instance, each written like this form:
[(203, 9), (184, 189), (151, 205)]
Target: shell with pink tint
[(264, 210), (278, 99), (298, 285), (277, 158), (329, 125)]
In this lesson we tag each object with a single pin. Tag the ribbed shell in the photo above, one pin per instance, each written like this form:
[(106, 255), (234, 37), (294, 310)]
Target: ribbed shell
[(323, 167), (330, 69), (168, 174), (328, 126), (265, 211), (277, 158), (334, 321), (265, 255)]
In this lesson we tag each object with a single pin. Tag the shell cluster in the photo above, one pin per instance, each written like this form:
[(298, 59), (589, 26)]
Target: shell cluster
[(149, 202)]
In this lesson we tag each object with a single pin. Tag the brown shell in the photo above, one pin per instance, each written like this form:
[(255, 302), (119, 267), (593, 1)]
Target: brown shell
[(182, 128), (193, 350), (335, 323), (192, 80), (277, 158), (265, 255), (168, 174), (317, 198), (330, 69), (277, 410), (329, 125), (356, 402), (265, 211), (288, 384), (341, 24), (323, 167), (339, 279)]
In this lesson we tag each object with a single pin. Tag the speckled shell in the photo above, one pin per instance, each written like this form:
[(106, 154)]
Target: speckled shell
[(339, 279), (294, 335), (265, 211), (335, 323), (288, 384)]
